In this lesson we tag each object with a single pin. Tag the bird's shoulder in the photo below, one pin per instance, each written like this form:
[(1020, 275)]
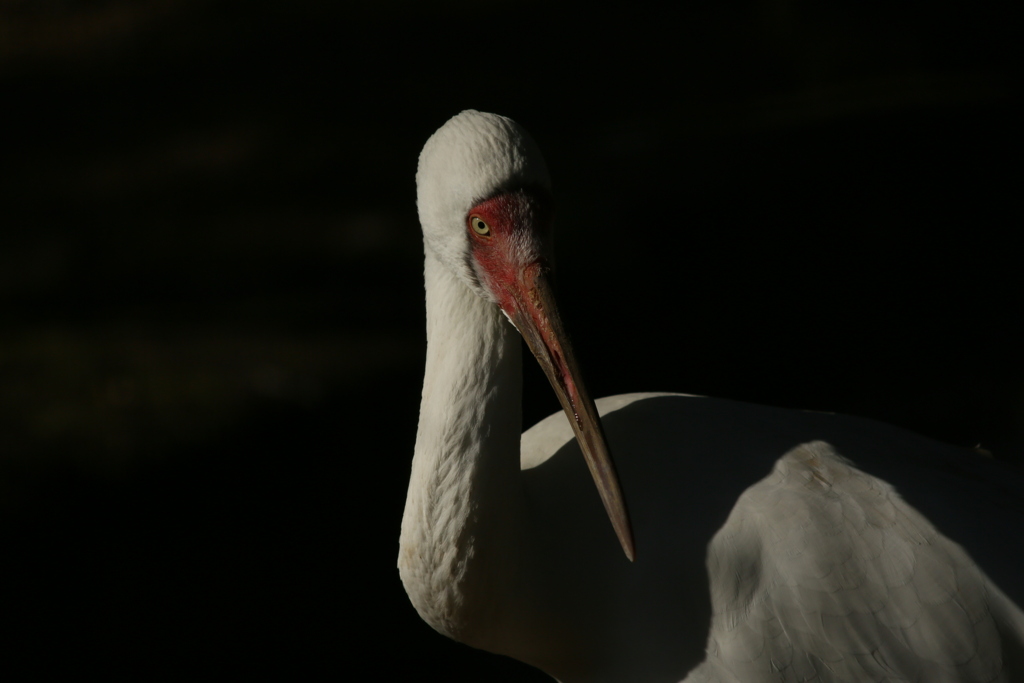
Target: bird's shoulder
[(823, 571), (544, 439)]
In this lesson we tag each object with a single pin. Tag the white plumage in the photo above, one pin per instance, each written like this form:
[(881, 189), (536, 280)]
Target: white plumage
[(765, 552)]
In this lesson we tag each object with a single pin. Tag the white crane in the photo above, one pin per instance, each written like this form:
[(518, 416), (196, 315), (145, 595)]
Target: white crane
[(762, 552)]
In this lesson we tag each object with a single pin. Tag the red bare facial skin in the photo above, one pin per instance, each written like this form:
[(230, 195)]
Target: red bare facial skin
[(512, 268), (520, 224)]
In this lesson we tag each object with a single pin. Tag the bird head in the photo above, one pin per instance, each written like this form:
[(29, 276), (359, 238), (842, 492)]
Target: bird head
[(482, 186), (483, 194)]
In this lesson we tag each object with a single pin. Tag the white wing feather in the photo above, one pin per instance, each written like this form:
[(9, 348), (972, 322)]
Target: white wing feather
[(823, 573)]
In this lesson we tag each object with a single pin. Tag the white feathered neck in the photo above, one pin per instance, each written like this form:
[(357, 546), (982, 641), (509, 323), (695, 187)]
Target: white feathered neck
[(466, 462)]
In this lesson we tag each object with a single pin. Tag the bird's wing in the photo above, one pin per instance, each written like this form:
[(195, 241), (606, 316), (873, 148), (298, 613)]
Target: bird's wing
[(823, 572)]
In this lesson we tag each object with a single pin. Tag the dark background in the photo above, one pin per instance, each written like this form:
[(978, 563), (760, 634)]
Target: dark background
[(211, 308)]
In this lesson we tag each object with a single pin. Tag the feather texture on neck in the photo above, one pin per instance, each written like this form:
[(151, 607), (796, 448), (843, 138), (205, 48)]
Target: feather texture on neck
[(466, 461)]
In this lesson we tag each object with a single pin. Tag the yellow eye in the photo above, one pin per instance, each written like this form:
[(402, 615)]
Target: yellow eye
[(479, 226)]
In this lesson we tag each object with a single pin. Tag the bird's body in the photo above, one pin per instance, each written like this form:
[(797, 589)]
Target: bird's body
[(798, 561), (765, 550)]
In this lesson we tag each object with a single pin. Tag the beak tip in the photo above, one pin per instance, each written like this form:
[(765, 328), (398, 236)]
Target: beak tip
[(624, 530)]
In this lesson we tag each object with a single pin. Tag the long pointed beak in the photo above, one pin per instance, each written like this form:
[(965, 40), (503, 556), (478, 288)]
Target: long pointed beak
[(535, 315)]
